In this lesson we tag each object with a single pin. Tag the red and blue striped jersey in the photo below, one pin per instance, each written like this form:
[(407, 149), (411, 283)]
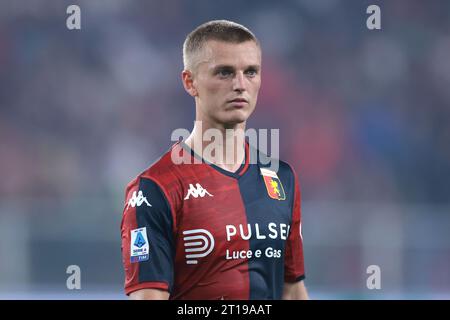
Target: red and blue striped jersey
[(201, 232)]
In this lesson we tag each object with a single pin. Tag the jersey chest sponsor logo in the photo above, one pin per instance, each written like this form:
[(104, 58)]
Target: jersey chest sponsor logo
[(255, 231), (247, 232), (198, 243), (273, 184), (137, 200), (197, 191)]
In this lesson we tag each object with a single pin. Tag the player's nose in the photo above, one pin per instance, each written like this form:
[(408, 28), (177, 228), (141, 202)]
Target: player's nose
[(239, 82)]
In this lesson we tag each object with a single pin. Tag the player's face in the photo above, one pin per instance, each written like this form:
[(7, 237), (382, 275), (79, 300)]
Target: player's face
[(227, 81)]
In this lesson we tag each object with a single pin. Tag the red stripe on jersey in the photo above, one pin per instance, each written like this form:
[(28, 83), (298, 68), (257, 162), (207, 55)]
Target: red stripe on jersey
[(129, 223), (214, 277), (294, 260)]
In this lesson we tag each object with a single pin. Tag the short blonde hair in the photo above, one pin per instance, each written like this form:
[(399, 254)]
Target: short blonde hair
[(221, 30)]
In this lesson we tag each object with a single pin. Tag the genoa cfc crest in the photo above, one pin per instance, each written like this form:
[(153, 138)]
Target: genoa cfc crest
[(273, 184)]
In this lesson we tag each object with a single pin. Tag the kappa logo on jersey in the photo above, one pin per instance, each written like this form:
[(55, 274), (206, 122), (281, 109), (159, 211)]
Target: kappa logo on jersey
[(139, 250), (273, 184), (197, 191), (198, 243), (138, 200)]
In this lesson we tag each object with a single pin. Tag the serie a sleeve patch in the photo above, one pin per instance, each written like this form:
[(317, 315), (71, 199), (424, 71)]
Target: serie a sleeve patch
[(139, 250)]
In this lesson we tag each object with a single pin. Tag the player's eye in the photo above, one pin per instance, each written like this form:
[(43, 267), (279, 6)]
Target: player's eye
[(224, 72), (251, 72)]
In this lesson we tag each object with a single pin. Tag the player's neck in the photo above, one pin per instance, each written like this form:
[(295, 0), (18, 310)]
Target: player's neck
[(226, 150)]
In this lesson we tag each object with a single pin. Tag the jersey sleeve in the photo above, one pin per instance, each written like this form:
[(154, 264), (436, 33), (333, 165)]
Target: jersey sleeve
[(147, 238), (294, 269)]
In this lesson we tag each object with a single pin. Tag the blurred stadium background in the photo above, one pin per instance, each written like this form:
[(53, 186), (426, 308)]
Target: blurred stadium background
[(363, 117)]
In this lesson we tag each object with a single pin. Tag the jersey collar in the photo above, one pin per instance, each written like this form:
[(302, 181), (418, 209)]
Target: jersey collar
[(237, 174)]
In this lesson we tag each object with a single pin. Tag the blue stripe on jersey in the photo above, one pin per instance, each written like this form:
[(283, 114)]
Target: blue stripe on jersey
[(159, 222), (266, 274)]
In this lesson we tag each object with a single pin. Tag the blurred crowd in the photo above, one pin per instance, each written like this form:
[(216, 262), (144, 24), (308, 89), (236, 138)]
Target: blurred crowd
[(363, 117), (363, 114)]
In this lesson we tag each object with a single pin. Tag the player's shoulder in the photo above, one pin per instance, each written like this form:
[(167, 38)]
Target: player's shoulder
[(288, 169), (162, 172), (272, 163)]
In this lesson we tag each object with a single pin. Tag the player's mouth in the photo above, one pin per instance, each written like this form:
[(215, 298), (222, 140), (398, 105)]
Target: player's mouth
[(238, 102)]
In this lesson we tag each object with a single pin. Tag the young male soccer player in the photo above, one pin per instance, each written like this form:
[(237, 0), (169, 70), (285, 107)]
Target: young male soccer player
[(215, 229)]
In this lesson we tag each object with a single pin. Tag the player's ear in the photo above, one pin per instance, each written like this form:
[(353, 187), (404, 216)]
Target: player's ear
[(188, 82)]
